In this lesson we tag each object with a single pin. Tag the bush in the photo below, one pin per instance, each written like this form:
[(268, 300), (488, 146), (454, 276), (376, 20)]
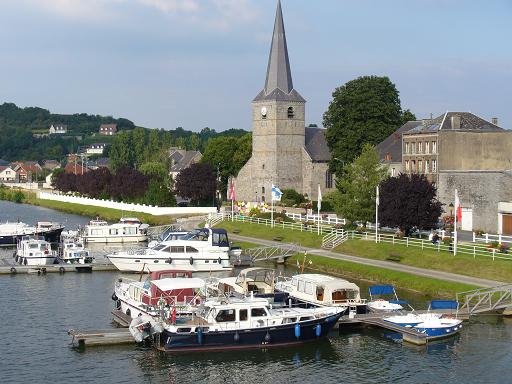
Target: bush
[(291, 197), (254, 212)]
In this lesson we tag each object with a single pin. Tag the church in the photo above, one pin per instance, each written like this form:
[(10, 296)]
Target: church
[(285, 152)]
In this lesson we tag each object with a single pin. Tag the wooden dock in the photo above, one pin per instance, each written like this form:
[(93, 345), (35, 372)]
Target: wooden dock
[(114, 336), (121, 318), (56, 268)]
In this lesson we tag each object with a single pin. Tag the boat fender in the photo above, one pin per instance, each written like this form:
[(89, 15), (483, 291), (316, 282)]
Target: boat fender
[(191, 260), (16, 259), (318, 330), (114, 296), (220, 260), (43, 271), (236, 337), (13, 270), (62, 269), (169, 260), (25, 261), (14, 253), (267, 337), (128, 312), (297, 331), (199, 331), (118, 304)]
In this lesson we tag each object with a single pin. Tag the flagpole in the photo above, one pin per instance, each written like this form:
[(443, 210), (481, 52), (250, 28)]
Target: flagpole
[(377, 215), (272, 205), (318, 209), (455, 224)]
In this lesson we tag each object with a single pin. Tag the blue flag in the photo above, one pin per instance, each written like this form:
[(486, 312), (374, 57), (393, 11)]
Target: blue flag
[(276, 193)]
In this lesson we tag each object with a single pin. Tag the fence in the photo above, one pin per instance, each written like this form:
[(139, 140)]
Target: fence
[(325, 219), (489, 238), (128, 207)]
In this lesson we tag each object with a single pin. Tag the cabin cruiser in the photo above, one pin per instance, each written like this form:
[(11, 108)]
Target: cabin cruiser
[(72, 250), (205, 249), (34, 251), (236, 323), (163, 294), (127, 230), (323, 290), (169, 234), (257, 281), (11, 233)]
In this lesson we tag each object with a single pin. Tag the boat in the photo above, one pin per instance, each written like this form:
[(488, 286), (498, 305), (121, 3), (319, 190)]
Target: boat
[(257, 281), (127, 230), (434, 325), (34, 251), (383, 298), (12, 232), (169, 234), (201, 250), (162, 294), (237, 323), (323, 290), (72, 250)]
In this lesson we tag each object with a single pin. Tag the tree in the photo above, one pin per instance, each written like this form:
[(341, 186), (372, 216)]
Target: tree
[(121, 152), (128, 184), (355, 197), (197, 183), (408, 201), (406, 116), (364, 110)]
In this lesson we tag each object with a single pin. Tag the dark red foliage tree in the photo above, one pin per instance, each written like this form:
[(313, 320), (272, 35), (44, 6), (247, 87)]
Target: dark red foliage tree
[(65, 182), (407, 202), (197, 183), (128, 184), (95, 183)]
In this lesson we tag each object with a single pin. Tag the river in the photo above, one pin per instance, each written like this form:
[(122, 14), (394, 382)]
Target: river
[(37, 311)]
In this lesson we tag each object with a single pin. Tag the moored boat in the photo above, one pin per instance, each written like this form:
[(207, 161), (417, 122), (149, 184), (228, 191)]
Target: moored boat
[(383, 298), (127, 230), (205, 249), (12, 232), (34, 251), (239, 323), (72, 250)]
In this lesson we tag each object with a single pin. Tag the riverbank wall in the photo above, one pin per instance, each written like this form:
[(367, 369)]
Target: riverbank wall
[(127, 207)]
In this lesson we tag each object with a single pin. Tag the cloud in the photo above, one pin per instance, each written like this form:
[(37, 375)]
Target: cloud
[(172, 6)]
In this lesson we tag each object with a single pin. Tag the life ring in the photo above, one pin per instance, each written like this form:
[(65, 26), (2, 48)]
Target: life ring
[(62, 269)]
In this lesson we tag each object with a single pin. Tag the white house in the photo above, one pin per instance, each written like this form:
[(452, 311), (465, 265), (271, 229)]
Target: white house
[(95, 149), (58, 129), (7, 173)]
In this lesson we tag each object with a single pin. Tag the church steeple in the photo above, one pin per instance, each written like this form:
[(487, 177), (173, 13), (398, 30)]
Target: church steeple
[(279, 84)]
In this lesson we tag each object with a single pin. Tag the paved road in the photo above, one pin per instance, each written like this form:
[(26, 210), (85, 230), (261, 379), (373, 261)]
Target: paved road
[(382, 264)]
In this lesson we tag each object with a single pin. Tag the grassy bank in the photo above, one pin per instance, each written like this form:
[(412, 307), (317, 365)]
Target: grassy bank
[(486, 268), (433, 288), (108, 214)]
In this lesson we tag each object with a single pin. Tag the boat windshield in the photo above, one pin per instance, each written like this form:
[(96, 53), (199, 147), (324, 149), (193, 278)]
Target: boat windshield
[(197, 235)]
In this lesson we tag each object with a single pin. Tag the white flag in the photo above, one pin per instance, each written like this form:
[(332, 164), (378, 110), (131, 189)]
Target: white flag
[(276, 193), (319, 198), (377, 196)]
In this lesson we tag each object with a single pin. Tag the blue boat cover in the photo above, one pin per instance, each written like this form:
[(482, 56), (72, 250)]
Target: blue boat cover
[(444, 304), (382, 290)]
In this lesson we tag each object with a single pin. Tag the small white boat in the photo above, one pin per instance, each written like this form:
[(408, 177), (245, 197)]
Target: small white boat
[(72, 250), (127, 230), (383, 298), (202, 250), (34, 251), (12, 232), (323, 290)]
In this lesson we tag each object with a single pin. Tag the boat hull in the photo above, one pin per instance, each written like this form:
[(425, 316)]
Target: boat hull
[(263, 337), (445, 329), (51, 236), (131, 264), (36, 261), (115, 239)]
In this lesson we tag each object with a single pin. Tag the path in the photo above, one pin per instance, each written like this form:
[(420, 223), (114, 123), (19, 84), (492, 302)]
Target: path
[(448, 276)]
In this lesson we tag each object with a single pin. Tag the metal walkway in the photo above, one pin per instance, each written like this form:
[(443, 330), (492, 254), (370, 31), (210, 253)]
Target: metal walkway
[(278, 253), (485, 299)]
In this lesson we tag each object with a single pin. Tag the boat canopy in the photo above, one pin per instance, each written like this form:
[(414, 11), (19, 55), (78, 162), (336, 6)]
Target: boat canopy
[(382, 290), (444, 304), (168, 284)]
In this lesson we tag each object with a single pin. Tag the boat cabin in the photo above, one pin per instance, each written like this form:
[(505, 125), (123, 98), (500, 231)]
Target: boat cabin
[(256, 280), (216, 237), (174, 291)]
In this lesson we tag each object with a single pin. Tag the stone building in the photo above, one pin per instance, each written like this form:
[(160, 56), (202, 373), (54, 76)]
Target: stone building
[(459, 150), (284, 152)]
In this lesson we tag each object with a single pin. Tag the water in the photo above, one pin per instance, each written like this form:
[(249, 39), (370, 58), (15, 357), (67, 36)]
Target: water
[(37, 311)]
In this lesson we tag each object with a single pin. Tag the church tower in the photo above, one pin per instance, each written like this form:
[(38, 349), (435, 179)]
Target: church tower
[(278, 116)]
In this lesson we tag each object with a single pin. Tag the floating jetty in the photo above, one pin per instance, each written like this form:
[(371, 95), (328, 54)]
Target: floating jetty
[(56, 268), (114, 336)]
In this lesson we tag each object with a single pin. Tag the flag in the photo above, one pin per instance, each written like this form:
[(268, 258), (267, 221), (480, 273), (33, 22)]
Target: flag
[(231, 193), (377, 200), (458, 208), (276, 193), (319, 204)]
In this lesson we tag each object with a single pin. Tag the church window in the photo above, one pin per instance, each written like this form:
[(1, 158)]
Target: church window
[(291, 113), (263, 166), (262, 190), (328, 179)]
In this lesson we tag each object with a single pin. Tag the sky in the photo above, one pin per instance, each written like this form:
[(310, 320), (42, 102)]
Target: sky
[(199, 63)]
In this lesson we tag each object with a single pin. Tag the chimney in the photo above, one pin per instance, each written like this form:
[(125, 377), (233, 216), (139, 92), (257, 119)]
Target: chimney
[(494, 120), (455, 122)]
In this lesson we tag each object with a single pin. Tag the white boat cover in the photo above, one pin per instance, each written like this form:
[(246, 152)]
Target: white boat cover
[(169, 284)]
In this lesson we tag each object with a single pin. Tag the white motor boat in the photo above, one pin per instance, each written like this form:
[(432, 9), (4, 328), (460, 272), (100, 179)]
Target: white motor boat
[(12, 232), (127, 230), (202, 250), (72, 250), (323, 290), (383, 298), (34, 251)]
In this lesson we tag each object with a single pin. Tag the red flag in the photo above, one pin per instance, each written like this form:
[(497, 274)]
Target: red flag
[(231, 195), (458, 208)]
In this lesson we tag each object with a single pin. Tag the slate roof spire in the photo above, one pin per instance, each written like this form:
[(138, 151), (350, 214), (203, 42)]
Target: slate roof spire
[(279, 84)]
